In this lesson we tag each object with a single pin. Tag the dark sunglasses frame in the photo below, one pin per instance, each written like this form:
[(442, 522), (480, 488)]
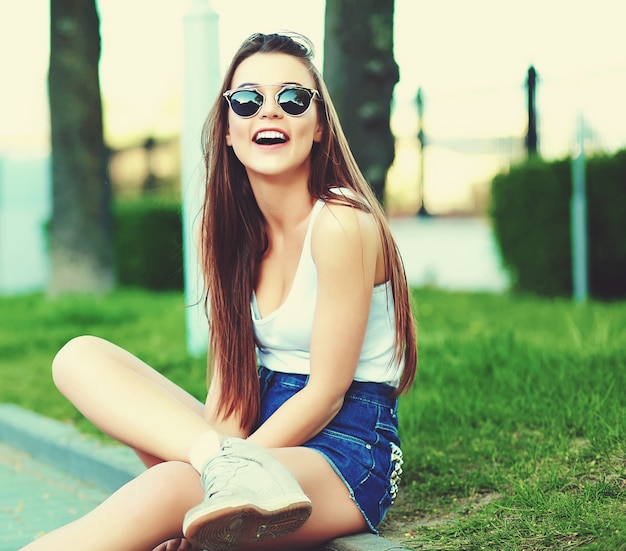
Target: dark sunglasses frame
[(284, 88)]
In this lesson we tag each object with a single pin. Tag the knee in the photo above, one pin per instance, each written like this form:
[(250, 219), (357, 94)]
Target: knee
[(176, 483), (71, 357)]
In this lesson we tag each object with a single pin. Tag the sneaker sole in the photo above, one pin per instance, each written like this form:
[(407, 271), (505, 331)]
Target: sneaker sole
[(235, 527)]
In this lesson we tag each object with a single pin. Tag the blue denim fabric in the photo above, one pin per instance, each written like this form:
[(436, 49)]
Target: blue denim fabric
[(361, 443)]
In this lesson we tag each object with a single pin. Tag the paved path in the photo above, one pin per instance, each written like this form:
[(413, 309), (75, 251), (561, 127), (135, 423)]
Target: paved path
[(36, 498), (50, 474)]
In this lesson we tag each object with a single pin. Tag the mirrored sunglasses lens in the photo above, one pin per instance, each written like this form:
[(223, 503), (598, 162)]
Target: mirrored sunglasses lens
[(294, 101), (246, 103)]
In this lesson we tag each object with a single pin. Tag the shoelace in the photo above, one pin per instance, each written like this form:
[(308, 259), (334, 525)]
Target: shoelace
[(215, 477)]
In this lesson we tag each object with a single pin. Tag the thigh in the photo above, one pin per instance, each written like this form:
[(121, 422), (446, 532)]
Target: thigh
[(334, 513), (149, 373), (89, 371), (106, 348)]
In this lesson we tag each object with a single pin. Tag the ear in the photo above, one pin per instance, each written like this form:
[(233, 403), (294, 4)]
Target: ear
[(229, 141), (319, 132)]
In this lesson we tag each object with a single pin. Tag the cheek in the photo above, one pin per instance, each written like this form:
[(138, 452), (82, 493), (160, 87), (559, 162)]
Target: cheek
[(312, 132), (235, 133), (237, 139)]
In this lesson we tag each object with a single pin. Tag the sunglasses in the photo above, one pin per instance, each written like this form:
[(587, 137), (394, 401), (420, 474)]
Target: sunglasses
[(293, 100)]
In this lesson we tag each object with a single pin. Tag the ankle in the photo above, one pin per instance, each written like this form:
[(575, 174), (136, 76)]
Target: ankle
[(205, 447)]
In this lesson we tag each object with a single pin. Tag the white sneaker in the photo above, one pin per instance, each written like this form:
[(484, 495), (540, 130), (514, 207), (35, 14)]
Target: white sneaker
[(249, 496)]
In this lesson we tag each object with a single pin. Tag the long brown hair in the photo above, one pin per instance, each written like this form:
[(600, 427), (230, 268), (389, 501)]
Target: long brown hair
[(234, 236)]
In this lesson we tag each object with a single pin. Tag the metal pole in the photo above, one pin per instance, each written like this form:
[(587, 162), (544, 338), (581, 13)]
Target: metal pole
[(422, 142), (578, 217), (201, 85), (531, 136)]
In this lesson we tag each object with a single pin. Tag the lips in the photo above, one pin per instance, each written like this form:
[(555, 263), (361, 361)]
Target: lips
[(270, 137)]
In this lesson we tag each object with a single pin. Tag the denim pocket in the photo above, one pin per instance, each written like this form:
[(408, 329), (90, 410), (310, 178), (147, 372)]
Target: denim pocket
[(352, 434)]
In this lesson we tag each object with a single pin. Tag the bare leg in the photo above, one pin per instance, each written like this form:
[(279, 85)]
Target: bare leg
[(139, 516), (334, 513), (128, 400), (149, 510), (133, 403)]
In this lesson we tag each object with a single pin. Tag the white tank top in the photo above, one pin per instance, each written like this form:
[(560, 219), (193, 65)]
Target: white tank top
[(284, 336)]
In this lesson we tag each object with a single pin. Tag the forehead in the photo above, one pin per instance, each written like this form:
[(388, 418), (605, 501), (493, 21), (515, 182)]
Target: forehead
[(272, 68)]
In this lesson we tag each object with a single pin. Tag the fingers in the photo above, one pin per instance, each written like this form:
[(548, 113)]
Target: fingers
[(171, 545), (178, 544), (175, 545)]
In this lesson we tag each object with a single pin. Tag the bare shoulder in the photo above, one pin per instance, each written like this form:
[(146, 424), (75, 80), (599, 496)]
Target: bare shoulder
[(344, 222), (344, 239)]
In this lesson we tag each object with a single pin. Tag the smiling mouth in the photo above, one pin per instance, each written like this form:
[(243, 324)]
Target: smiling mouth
[(270, 137)]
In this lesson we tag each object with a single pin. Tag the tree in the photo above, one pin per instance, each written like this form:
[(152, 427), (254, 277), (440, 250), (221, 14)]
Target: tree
[(80, 232), (361, 73)]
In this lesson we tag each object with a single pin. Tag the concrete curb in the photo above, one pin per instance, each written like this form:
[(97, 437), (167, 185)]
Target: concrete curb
[(109, 467), (62, 446)]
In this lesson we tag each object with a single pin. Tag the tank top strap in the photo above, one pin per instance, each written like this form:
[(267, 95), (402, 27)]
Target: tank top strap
[(317, 207)]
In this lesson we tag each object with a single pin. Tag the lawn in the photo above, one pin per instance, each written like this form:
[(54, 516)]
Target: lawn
[(514, 435)]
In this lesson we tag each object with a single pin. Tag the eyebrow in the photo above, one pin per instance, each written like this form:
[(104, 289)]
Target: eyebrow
[(254, 84)]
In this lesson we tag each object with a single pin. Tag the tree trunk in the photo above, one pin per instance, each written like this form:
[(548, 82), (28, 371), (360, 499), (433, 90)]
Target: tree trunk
[(360, 71), (80, 232)]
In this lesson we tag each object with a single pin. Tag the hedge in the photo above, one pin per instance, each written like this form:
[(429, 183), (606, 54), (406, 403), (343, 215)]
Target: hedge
[(530, 210), (148, 244)]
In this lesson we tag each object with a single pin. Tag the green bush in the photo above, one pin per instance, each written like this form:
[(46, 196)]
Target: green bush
[(148, 244), (530, 208)]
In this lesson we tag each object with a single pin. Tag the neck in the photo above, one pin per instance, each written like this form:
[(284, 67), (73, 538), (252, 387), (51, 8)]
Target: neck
[(284, 201)]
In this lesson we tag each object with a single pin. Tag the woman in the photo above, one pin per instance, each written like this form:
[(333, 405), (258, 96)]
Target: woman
[(312, 340)]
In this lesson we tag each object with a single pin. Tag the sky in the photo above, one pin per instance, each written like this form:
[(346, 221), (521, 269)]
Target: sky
[(469, 58)]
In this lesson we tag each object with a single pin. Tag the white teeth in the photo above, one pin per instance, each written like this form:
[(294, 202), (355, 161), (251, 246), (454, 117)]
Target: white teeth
[(270, 135)]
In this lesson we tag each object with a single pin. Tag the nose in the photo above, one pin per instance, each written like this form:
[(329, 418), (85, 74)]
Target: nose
[(270, 109)]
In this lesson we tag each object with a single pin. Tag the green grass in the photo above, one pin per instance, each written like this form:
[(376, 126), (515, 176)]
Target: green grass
[(33, 328), (519, 406), (522, 399)]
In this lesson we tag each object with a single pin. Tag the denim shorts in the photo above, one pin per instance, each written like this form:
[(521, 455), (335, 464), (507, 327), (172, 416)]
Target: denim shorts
[(361, 442)]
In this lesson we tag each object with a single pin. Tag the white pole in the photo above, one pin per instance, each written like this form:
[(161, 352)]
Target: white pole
[(201, 85), (578, 214)]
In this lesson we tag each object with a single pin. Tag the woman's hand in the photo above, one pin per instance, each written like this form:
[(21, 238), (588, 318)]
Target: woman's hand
[(178, 544)]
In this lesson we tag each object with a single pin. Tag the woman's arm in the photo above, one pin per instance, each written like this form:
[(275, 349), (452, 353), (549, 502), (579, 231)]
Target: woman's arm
[(347, 251), (230, 426)]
